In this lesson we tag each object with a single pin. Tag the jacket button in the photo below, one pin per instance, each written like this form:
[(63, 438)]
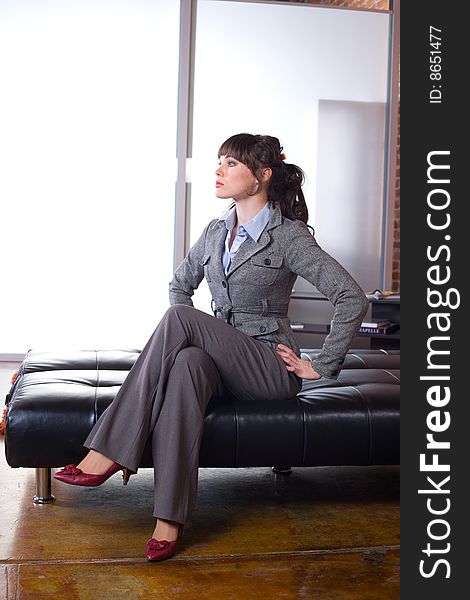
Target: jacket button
[(262, 328), (224, 284), (267, 261), (334, 373), (341, 361)]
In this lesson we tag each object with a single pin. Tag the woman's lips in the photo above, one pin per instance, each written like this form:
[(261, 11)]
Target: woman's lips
[(218, 184)]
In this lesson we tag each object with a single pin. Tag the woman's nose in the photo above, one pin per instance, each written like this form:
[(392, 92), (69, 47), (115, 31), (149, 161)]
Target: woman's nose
[(218, 171)]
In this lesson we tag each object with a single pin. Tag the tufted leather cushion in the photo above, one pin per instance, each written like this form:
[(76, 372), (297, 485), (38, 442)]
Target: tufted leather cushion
[(58, 397), (367, 359)]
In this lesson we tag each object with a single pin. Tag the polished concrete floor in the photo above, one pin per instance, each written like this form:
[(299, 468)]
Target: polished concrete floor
[(326, 533)]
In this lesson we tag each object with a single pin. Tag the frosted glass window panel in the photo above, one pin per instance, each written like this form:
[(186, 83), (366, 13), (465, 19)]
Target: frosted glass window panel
[(263, 68), (87, 158), (349, 195)]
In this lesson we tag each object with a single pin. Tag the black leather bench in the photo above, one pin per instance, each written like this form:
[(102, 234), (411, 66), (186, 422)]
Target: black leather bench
[(58, 396)]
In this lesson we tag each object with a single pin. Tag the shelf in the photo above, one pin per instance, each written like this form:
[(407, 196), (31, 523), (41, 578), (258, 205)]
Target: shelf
[(381, 308), (312, 328), (389, 336), (386, 300), (321, 329)]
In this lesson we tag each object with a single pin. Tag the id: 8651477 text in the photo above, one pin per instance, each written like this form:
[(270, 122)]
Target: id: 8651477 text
[(435, 65)]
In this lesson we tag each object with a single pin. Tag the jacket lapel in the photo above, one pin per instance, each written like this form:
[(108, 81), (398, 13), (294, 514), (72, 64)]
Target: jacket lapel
[(217, 246), (249, 246)]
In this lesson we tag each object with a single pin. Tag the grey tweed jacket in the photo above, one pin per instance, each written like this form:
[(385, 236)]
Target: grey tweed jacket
[(254, 296)]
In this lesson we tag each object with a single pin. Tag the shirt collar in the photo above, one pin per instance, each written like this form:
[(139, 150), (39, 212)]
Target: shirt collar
[(254, 227)]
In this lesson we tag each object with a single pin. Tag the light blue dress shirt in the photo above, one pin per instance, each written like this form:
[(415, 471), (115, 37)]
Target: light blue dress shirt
[(253, 228)]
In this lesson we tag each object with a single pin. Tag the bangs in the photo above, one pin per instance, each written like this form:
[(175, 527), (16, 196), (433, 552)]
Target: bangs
[(240, 147), (254, 151)]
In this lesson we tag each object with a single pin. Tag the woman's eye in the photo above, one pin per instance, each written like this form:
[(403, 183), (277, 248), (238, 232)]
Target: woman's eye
[(231, 163)]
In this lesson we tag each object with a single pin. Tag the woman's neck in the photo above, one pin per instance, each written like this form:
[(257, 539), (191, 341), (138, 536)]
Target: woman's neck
[(247, 209)]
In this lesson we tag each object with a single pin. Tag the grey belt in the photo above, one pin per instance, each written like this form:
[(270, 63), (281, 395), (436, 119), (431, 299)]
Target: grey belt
[(263, 310)]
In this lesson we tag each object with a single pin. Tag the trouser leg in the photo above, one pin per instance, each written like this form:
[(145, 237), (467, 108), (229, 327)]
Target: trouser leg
[(176, 439), (248, 368)]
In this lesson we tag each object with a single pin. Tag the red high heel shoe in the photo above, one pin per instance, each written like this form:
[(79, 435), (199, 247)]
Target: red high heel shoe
[(75, 476), (162, 549)]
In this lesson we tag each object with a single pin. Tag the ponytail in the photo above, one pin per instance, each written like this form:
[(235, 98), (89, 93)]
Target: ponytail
[(285, 190)]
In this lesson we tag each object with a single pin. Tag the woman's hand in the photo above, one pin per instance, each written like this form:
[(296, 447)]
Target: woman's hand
[(302, 368)]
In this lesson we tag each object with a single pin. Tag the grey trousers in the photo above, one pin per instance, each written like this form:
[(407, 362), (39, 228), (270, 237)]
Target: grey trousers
[(190, 357)]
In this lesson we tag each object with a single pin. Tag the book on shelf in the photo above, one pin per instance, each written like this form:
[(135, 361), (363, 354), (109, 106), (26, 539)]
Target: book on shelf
[(390, 328), (375, 323), (380, 295), (319, 328)]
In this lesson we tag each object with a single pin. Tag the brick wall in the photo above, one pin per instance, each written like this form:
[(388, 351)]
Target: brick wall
[(396, 221), (374, 4)]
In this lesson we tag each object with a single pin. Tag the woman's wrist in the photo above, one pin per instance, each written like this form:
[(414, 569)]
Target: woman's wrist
[(306, 357), (315, 372)]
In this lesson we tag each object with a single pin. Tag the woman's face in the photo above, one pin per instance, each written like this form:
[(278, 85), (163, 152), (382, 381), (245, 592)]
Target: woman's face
[(234, 179)]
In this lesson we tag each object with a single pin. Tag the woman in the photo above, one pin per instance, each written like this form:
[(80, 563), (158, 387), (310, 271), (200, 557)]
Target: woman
[(250, 258)]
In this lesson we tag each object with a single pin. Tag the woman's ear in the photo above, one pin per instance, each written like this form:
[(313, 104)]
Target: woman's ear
[(266, 174)]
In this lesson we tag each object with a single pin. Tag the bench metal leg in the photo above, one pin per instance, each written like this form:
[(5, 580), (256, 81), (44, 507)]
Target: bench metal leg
[(43, 486)]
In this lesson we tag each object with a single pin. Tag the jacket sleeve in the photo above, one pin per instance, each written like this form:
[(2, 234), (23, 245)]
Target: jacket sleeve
[(305, 258), (189, 273)]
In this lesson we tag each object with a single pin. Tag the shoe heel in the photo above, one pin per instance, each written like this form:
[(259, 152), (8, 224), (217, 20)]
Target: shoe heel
[(125, 476)]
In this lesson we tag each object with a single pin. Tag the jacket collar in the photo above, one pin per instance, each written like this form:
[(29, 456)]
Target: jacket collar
[(275, 219), (249, 247), (254, 227)]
